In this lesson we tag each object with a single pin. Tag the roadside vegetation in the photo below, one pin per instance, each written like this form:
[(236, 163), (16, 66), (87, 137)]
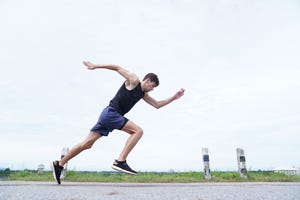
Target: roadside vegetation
[(149, 177)]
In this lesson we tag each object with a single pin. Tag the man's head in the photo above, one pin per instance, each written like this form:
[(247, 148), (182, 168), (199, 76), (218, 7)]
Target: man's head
[(150, 81)]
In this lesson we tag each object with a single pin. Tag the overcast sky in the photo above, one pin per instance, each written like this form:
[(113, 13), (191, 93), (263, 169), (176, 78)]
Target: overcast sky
[(238, 61)]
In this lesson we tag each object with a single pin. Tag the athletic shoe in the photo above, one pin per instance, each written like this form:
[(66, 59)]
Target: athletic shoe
[(122, 166), (56, 169)]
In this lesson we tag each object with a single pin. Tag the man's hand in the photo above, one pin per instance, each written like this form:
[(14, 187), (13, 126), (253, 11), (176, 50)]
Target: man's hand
[(89, 65), (179, 94)]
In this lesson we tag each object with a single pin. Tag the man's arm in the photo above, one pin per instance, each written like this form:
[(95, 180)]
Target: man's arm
[(131, 79), (159, 104)]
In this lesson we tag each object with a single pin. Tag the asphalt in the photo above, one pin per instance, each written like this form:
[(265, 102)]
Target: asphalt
[(16, 190)]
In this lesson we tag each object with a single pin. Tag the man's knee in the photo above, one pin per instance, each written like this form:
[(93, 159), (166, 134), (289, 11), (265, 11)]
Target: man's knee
[(85, 145), (139, 132), (133, 129), (89, 142)]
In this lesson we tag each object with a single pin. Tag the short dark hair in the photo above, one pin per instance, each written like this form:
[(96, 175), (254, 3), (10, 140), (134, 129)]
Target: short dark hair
[(153, 78)]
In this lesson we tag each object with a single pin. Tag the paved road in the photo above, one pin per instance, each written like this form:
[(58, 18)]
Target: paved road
[(10, 190)]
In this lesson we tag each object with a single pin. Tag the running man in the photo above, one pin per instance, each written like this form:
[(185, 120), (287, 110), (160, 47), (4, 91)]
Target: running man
[(112, 117)]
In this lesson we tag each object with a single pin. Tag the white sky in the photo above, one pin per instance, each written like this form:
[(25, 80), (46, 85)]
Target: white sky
[(238, 61)]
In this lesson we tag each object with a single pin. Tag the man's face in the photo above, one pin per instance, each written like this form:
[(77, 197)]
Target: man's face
[(149, 85)]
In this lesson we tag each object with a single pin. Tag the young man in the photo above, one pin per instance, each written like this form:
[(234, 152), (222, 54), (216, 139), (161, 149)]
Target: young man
[(112, 117)]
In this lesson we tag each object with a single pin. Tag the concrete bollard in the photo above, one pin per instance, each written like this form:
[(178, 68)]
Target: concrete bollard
[(64, 151), (40, 169), (241, 160), (205, 156)]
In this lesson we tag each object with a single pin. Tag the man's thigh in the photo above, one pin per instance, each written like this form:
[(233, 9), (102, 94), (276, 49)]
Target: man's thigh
[(130, 127)]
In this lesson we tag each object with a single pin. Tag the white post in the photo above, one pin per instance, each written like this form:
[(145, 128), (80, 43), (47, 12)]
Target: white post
[(241, 162), (64, 151), (205, 156), (40, 169)]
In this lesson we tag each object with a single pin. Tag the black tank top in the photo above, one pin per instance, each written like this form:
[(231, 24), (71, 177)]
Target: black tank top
[(125, 99)]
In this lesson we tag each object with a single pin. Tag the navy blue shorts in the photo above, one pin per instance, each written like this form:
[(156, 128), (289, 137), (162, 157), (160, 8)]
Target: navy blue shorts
[(109, 120)]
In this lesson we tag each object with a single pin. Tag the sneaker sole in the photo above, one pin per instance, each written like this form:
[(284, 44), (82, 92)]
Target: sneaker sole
[(122, 170), (53, 172)]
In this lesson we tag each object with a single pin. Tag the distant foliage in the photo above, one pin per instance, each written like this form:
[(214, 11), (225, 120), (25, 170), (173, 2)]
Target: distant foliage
[(149, 177), (4, 173)]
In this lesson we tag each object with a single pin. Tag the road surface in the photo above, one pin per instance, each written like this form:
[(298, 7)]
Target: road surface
[(11, 190)]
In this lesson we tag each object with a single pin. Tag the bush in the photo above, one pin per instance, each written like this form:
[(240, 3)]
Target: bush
[(4, 173)]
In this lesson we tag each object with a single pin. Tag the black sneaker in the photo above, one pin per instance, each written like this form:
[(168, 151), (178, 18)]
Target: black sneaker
[(56, 169), (122, 166)]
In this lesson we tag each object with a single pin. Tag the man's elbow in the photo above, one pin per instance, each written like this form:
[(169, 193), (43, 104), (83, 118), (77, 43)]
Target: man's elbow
[(158, 105)]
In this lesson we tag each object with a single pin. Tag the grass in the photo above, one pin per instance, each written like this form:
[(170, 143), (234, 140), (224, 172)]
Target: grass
[(151, 177)]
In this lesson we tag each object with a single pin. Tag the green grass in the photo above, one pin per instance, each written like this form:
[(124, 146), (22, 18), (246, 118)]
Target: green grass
[(152, 177)]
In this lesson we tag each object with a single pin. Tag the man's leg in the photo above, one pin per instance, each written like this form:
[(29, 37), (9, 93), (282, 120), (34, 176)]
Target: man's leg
[(135, 134), (85, 144)]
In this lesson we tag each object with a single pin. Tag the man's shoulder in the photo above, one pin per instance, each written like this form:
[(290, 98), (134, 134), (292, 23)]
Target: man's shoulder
[(131, 84)]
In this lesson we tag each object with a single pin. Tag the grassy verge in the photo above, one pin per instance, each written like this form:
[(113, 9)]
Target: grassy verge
[(152, 177)]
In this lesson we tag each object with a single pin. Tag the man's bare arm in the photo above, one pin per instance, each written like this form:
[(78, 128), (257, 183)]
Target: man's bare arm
[(131, 79), (159, 104)]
